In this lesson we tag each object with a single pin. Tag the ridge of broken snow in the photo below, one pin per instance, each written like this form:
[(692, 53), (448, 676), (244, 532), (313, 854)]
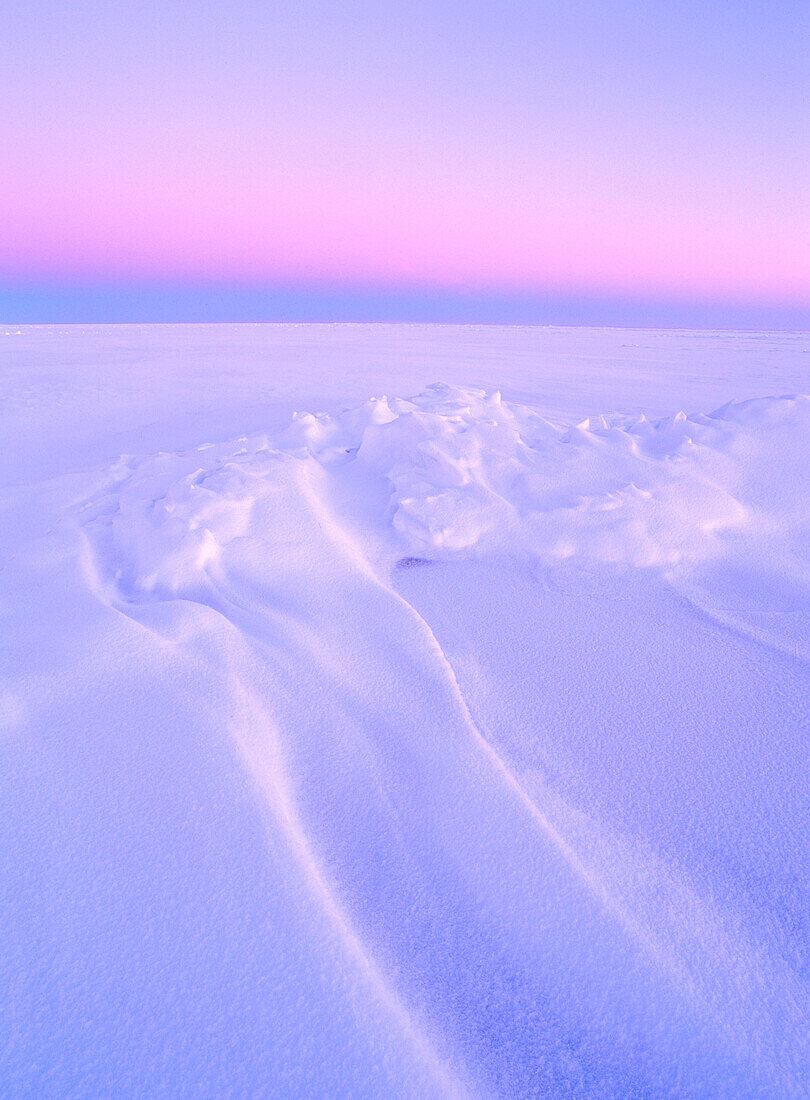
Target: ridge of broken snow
[(456, 472)]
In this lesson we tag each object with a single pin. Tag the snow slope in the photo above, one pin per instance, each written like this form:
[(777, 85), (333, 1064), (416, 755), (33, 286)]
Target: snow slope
[(452, 742)]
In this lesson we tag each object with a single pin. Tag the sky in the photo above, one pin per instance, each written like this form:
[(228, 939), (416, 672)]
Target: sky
[(589, 161)]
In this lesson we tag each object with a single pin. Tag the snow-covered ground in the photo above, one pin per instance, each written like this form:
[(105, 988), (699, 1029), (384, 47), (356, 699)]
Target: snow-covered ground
[(404, 711)]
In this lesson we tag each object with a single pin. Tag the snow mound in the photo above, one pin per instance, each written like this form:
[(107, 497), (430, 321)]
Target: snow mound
[(458, 473)]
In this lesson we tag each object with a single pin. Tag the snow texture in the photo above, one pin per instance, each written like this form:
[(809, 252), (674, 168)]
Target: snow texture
[(450, 742)]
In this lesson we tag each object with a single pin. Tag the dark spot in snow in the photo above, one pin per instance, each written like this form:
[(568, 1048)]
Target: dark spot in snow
[(411, 563)]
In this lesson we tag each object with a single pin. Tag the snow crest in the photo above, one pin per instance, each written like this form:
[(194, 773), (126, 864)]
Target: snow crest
[(457, 473)]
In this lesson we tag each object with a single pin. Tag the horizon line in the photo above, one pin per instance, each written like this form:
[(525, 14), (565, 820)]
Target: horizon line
[(28, 303)]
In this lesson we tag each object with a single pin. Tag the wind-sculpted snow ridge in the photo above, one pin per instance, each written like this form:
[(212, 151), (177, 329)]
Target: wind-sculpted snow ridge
[(456, 473), (469, 473), (527, 913)]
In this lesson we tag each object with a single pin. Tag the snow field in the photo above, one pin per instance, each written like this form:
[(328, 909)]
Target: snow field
[(419, 837), (447, 744)]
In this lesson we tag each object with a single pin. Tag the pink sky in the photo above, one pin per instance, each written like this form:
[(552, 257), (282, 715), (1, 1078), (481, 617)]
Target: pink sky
[(648, 156)]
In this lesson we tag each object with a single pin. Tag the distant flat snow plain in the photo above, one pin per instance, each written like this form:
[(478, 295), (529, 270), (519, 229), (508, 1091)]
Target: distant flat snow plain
[(404, 711)]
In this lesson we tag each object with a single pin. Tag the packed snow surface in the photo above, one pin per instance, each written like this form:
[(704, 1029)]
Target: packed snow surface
[(369, 735)]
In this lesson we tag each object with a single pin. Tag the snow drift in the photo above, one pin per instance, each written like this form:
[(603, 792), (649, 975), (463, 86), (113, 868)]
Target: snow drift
[(526, 938), (457, 474)]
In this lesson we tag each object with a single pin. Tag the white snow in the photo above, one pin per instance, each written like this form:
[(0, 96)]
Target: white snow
[(365, 734)]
